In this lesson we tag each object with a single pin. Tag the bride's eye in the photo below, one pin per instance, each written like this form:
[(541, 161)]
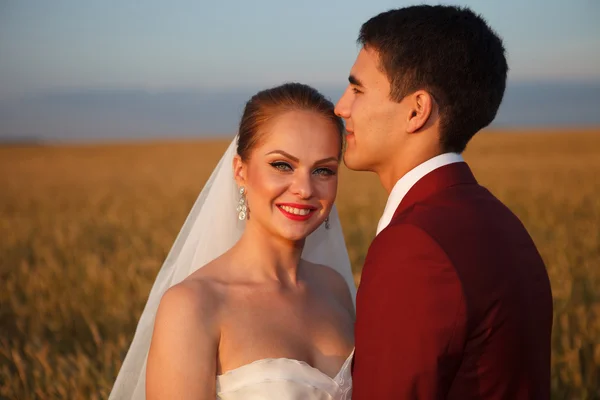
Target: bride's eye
[(282, 166), (324, 172)]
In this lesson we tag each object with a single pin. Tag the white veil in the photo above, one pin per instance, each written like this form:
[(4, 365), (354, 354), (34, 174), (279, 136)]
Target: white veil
[(212, 228)]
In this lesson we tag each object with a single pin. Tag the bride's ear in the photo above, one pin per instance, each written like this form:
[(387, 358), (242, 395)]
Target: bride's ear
[(239, 170)]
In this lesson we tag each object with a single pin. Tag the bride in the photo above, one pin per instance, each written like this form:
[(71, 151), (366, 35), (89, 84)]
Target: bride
[(256, 297)]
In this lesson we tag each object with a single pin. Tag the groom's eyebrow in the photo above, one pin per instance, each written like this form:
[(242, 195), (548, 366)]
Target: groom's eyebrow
[(355, 81)]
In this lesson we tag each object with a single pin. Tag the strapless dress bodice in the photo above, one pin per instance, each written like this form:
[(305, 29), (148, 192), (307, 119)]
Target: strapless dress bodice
[(284, 379)]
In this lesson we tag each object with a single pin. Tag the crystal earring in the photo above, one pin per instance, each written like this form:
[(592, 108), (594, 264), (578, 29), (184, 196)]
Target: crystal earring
[(327, 223), (242, 208)]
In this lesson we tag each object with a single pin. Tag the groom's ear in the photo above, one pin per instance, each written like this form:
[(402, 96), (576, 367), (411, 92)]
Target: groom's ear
[(239, 170), (422, 109)]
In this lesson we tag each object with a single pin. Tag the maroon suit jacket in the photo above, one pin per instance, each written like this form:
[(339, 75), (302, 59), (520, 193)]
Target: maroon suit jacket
[(454, 300)]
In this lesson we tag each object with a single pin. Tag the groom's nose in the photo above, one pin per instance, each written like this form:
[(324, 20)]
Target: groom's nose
[(342, 108)]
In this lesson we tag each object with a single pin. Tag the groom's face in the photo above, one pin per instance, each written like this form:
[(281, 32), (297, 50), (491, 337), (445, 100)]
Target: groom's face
[(374, 121)]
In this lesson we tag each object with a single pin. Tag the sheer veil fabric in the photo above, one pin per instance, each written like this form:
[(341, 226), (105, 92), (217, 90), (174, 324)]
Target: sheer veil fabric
[(212, 228)]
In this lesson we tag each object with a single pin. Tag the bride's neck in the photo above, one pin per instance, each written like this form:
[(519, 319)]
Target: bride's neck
[(270, 257)]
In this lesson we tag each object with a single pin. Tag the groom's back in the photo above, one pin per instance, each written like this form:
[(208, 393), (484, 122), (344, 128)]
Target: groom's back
[(506, 289)]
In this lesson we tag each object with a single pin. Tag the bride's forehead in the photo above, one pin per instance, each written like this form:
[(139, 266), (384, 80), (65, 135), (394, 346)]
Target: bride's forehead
[(304, 134), (301, 133), (299, 144)]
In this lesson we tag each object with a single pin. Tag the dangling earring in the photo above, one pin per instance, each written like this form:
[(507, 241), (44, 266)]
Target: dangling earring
[(242, 208), (327, 223)]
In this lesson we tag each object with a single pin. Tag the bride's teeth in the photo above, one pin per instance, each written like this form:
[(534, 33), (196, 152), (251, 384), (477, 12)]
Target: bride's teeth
[(295, 211)]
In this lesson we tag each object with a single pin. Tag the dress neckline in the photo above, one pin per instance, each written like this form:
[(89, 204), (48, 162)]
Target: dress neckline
[(288, 360)]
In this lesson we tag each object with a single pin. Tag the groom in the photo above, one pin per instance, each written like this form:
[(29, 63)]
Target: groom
[(454, 300)]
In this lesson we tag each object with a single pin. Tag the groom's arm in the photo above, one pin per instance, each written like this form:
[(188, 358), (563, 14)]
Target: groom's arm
[(411, 319)]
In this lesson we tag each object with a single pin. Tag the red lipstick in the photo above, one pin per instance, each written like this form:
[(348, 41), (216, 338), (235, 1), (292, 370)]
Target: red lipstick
[(297, 217)]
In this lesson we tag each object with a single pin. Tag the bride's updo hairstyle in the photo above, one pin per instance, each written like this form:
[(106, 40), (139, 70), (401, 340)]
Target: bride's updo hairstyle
[(270, 103)]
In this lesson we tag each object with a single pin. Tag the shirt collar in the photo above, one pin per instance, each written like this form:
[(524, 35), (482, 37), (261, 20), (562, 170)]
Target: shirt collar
[(405, 183)]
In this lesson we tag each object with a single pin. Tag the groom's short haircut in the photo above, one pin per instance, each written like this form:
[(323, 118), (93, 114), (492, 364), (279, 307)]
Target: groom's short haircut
[(451, 53)]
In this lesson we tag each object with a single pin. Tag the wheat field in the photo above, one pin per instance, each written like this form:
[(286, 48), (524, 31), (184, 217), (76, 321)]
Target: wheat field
[(85, 228)]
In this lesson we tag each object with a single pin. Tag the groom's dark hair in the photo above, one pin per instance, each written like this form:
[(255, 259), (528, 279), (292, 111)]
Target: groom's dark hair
[(451, 53)]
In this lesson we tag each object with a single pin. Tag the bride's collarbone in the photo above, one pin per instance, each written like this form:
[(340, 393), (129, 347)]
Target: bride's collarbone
[(241, 306), (269, 305), (274, 311)]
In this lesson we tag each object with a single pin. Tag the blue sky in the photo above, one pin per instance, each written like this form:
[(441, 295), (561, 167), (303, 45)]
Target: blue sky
[(173, 45)]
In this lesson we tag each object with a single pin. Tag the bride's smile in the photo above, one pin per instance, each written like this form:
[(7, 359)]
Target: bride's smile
[(297, 212)]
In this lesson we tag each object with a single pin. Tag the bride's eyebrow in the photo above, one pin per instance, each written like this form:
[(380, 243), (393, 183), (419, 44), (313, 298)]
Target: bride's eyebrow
[(326, 160), (283, 153), (295, 159)]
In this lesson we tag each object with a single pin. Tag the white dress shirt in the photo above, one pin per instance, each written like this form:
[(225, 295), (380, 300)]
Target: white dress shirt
[(408, 181)]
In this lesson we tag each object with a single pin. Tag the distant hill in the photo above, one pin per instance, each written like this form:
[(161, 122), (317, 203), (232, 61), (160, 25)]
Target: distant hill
[(20, 141), (135, 114)]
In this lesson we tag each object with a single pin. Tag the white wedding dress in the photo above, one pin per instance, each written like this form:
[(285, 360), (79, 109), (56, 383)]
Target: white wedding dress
[(284, 378), (212, 228)]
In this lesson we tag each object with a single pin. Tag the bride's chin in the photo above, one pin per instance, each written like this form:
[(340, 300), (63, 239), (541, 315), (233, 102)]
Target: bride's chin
[(295, 237), (296, 234)]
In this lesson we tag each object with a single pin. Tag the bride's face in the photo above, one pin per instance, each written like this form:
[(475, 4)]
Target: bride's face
[(291, 175)]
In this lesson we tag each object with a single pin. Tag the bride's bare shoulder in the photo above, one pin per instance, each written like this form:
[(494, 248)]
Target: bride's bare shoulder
[(191, 303), (185, 338), (194, 302)]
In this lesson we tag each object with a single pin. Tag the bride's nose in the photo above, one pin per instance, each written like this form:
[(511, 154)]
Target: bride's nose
[(302, 186)]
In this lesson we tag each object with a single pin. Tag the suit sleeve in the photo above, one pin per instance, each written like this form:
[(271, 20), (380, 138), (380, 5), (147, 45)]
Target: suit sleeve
[(411, 319)]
